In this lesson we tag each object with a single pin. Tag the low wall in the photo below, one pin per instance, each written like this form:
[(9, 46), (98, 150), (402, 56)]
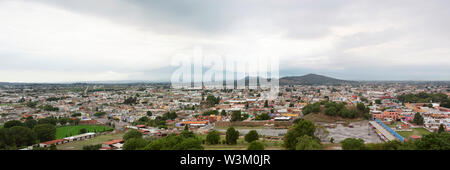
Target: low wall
[(253, 123)]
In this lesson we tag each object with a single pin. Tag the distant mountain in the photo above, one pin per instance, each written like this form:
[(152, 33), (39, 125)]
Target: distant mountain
[(312, 79)]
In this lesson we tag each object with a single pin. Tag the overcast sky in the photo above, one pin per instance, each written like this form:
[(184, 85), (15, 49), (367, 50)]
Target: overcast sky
[(96, 40)]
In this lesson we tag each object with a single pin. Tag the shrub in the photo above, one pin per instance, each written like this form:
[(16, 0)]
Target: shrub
[(255, 145), (213, 137), (251, 136)]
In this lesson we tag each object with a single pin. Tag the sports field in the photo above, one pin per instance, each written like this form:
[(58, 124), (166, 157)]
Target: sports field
[(66, 131), (415, 131)]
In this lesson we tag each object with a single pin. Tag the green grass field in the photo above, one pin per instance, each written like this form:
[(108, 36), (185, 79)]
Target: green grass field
[(66, 131), (416, 131)]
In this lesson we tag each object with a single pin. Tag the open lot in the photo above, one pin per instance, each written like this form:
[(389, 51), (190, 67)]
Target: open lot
[(66, 131), (360, 130)]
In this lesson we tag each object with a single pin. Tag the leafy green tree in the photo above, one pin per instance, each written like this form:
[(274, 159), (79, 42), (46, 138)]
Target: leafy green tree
[(210, 112), (231, 136), (392, 145), (361, 107), (144, 119), (169, 116), (40, 149), (149, 113), (134, 144), (378, 101), (49, 108), (130, 100), (244, 116), (48, 120), (316, 107), (307, 143), (6, 141), (189, 144), (255, 145), (434, 141), (418, 119), (31, 104), (441, 129), (99, 114), (63, 121), (408, 145), (132, 134), (186, 133), (307, 109), (92, 147), (22, 136), (301, 128), (363, 99), (156, 145), (223, 113), (211, 101), (45, 132), (331, 111), (423, 98), (445, 103), (213, 137), (236, 116), (75, 115), (30, 123), (174, 142), (12, 123), (352, 144), (251, 136), (263, 116)]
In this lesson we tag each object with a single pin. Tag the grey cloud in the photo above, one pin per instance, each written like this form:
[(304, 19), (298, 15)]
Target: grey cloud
[(422, 24)]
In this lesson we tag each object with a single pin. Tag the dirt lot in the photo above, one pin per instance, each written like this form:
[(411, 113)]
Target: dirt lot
[(321, 117), (359, 130)]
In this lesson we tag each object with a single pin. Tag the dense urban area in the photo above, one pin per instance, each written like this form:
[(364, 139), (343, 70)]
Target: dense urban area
[(154, 116)]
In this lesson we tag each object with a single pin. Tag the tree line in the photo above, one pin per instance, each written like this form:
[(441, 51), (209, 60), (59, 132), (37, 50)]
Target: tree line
[(441, 98), (16, 135), (338, 109)]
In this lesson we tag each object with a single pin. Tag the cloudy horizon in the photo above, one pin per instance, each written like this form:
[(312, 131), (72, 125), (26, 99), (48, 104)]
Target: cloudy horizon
[(114, 40)]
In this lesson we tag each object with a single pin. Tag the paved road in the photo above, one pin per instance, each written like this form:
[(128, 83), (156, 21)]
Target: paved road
[(265, 132)]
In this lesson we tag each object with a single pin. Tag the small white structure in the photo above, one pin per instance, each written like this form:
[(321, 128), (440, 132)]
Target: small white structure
[(80, 137)]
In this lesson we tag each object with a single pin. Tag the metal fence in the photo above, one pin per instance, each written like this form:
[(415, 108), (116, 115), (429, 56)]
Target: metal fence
[(390, 130)]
